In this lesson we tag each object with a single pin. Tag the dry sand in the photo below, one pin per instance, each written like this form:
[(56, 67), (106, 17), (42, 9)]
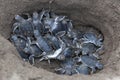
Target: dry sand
[(103, 14)]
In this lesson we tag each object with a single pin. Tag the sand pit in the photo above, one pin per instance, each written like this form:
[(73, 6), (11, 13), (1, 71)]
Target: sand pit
[(104, 15)]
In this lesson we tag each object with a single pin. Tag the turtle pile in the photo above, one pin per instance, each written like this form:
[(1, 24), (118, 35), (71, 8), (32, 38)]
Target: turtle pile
[(48, 36)]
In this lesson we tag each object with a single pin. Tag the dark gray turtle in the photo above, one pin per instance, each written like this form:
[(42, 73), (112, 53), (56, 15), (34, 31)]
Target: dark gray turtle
[(55, 43), (91, 50), (43, 45), (68, 41), (19, 41), (67, 67), (77, 35), (35, 52), (37, 23), (56, 52), (20, 44), (92, 38), (90, 62), (25, 26), (88, 48), (67, 53), (83, 69), (59, 27), (56, 26)]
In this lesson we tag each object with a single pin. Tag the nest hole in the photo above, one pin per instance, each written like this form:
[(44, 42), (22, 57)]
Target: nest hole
[(82, 15)]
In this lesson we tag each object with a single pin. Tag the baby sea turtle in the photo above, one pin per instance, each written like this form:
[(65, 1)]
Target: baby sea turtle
[(37, 23), (67, 67), (88, 48), (67, 53), (90, 62), (56, 53), (23, 26), (35, 52), (68, 41), (83, 69), (56, 26), (43, 45), (55, 43), (20, 43), (77, 35), (92, 38)]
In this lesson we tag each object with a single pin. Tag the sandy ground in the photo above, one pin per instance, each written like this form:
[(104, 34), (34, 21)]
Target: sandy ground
[(13, 68), (104, 14)]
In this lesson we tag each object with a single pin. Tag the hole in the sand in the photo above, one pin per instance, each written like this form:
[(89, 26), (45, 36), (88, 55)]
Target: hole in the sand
[(103, 18), (27, 35)]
